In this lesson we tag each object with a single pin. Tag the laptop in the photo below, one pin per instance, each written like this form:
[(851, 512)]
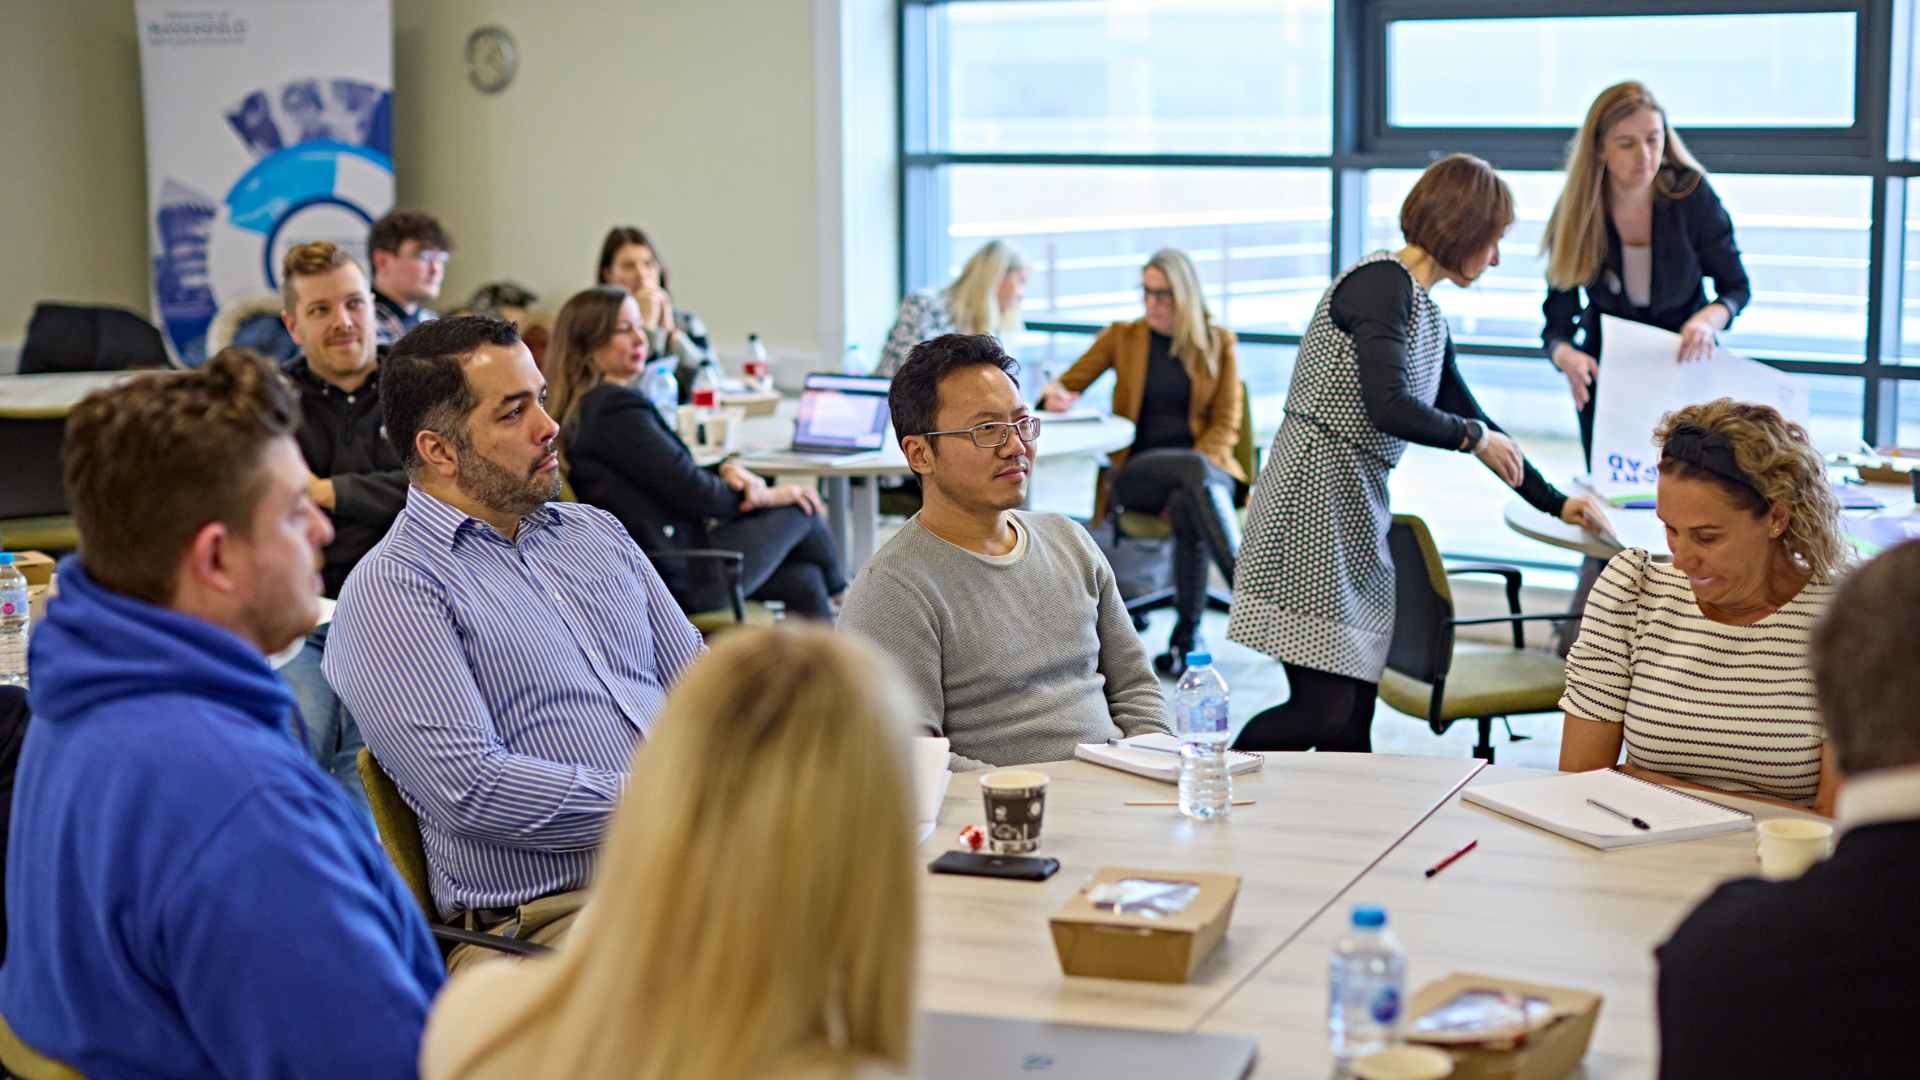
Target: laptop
[(957, 1045), (842, 417)]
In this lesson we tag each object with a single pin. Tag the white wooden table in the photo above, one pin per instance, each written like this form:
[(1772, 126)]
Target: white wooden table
[(1319, 821), (51, 395), (1526, 904)]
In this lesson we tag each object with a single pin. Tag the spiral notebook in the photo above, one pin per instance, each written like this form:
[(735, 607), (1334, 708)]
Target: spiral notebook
[(1155, 756), (1559, 804)]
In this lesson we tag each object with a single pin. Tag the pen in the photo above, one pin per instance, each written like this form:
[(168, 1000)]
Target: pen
[(1629, 818), (1448, 861), (1174, 802), (1141, 746)]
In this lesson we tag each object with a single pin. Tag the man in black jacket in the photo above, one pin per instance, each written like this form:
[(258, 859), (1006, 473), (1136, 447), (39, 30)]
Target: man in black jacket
[(1816, 976), (357, 478)]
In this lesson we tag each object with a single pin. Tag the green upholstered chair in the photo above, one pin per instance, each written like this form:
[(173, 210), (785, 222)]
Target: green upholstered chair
[(25, 1062), (1432, 676), (1134, 525), (54, 535), (399, 832)]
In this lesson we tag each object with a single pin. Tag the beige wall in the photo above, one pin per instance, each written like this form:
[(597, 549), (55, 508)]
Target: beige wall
[(696, 121)]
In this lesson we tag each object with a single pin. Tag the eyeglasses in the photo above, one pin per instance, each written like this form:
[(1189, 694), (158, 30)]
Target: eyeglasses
[(1165, 296), (430, 256), (994, 433)]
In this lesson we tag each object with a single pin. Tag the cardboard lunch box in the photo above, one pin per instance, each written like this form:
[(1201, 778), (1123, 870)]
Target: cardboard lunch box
[(1095, 941), (1545, 1051), (35, 566)]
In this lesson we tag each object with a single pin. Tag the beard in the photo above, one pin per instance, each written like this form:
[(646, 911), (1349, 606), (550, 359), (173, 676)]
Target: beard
[(501, 489)]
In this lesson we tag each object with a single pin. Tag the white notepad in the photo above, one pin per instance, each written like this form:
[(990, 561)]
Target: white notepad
[(930, 780), (1155, 756), (1559, 804)]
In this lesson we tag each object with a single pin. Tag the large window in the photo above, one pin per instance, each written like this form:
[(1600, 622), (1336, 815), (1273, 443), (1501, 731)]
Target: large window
[(1274, 142)]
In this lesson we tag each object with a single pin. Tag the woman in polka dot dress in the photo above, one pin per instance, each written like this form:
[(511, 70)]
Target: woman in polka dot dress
[(1376, 370)]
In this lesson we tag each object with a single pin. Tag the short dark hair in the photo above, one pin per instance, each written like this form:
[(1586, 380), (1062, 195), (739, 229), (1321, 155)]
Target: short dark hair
[(1456, 210), (151, 461), (400, 226), (1864, 670), (914, 397), (423, 380)]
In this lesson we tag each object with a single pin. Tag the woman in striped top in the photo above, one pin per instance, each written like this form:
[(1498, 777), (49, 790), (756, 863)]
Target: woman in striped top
[(1700, 666)]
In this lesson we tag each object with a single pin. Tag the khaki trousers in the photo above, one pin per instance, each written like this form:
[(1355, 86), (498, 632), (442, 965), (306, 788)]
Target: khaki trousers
[(542, 921)]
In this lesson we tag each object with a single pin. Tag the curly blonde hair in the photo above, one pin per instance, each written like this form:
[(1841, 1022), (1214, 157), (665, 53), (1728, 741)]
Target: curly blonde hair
[(1786, 470)]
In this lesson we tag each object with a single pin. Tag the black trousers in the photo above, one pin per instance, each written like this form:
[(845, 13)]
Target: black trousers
[(789, 557), (1324, 712), (1197, 497)]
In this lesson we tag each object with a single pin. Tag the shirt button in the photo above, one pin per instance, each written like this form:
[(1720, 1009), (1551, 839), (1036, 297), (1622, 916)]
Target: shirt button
[(558, 599)]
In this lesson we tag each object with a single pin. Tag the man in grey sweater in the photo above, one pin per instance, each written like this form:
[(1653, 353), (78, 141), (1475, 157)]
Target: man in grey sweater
[(1008, 624)]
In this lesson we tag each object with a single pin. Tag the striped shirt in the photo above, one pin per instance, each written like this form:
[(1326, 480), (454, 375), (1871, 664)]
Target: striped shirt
[(1731, 707), (504, 685)]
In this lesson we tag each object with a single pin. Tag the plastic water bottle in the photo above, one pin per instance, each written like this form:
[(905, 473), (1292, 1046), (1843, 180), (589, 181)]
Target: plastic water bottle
[(1366, 986), (1200, 710), (14, 616), (854, 362), (758, 371), (661, 388), (706, 386)]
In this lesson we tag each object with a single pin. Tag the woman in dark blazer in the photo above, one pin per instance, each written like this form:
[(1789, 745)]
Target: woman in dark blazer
[(622, 457), (1635, 234), (1176, 378)]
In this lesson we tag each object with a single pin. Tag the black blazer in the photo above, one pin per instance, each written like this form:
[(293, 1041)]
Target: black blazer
[(623, 458), (1692, 241), (1813, 977)]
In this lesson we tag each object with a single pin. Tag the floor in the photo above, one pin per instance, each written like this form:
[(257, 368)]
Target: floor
[(1256, 681)]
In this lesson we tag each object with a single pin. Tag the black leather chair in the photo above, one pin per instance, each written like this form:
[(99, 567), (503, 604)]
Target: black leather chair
[(73, 337)]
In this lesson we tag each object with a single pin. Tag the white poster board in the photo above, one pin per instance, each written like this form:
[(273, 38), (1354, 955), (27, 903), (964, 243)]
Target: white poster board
[(269, 124), (1641, 379)]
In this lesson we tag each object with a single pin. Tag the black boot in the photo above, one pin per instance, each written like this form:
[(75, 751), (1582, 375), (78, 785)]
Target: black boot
[(1189, 586), (1219, 526)]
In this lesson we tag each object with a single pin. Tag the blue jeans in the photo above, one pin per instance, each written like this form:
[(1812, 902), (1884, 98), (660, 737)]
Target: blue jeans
[(332, 736)]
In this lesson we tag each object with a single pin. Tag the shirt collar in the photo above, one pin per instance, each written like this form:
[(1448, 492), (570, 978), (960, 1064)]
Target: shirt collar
[(1880, 796), (444, 522)]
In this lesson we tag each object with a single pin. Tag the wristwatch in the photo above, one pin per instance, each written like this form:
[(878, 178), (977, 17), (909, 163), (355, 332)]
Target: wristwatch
[(1476, 434)]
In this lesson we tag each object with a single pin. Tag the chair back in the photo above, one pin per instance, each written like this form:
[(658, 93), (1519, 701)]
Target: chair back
[(71, 337), (1422, 646), (399, 830), (31, 446), (1244, 451), (25, 1062)]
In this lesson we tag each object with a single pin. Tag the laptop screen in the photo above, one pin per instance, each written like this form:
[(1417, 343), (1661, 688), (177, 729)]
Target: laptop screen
[(842, 414)]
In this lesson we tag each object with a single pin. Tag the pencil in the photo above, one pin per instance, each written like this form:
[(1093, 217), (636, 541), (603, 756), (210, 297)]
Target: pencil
[(1448, 861), (1175, 802)]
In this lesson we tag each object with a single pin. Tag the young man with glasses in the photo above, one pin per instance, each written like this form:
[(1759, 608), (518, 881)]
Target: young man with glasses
[(1008, 623), (409, 251)]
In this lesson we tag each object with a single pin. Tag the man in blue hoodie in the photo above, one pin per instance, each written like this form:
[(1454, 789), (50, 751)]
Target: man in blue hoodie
[(190, 896)]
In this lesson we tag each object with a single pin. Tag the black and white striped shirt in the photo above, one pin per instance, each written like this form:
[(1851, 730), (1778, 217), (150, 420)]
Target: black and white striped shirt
[(1731, 707)]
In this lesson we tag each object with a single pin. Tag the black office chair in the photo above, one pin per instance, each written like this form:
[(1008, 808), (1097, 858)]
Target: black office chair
[(72, 337)]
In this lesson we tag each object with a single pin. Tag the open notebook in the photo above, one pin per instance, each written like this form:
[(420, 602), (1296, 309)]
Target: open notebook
[(1559, 804), (1155, 756), (930, 780)]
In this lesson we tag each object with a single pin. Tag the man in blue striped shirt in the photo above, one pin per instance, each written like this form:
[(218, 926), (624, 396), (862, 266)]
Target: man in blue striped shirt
[(504, 653)]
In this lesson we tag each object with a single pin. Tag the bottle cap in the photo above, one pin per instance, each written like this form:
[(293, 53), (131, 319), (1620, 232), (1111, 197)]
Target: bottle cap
[(6, 558), (1369, 916), (1199, 658)]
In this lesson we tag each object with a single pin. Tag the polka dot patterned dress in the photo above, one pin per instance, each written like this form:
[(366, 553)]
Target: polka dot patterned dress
[(1314, 585)]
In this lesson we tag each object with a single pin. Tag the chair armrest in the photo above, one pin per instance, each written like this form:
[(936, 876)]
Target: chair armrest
[(716, 554), (1512, 576), (731, 563), (457, 935), (1519, 641)]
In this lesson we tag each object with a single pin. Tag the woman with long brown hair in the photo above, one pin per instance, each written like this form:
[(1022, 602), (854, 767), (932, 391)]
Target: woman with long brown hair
[(621, 456), (1635, 234), (755, 911)]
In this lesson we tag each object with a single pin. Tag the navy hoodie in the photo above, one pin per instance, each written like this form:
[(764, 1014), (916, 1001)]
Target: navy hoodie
[(188, 894)]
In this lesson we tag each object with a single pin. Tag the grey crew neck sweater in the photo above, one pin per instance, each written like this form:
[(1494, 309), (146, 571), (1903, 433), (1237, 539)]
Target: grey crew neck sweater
[(1013, 662)]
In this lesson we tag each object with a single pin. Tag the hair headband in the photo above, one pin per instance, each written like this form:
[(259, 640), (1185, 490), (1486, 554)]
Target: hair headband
[(1709, 450)]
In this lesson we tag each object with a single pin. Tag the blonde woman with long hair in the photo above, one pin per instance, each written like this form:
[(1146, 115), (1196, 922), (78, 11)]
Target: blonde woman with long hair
[(1700, 667), (1176, 377), (621, 456), (755, 912), (984, 299), (1635, 234)]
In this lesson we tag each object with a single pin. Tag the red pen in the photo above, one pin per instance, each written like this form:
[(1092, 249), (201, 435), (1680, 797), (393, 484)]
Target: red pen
[(1448, 861)]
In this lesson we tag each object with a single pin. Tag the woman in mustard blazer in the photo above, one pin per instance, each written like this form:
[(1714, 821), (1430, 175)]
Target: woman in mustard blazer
[(1176, 378)]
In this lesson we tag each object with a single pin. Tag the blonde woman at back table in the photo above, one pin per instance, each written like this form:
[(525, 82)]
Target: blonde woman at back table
[(756, 910), (984, 299)]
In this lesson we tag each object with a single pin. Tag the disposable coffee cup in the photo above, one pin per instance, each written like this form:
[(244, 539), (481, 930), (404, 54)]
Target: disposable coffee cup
[(1016, 801), (1788, 846), (1404, 1063)]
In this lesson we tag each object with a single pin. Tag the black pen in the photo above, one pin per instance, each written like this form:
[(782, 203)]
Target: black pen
[(1634, 821)]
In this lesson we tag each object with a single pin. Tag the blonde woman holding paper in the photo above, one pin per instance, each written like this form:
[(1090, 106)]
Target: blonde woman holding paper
[(755, 912), (1635, 233)]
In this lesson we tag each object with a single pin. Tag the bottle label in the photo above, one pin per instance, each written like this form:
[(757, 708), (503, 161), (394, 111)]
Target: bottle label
[(7, 607), (704, 399), (1205, 717), (1385, 1006)]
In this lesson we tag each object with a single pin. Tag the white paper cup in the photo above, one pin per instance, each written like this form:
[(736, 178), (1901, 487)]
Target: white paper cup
[(1788, 846), (1404, 1063)]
